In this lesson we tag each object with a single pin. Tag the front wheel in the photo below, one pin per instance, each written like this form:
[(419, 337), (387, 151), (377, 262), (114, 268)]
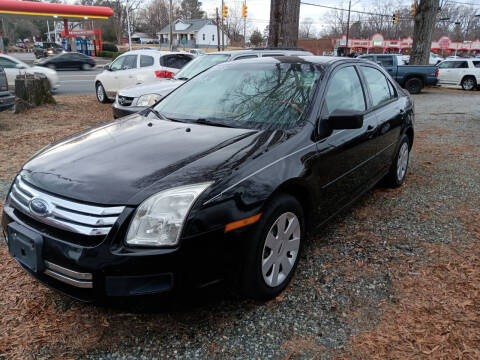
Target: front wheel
[(273, 249), (51, 66), (100, 92), (414, 85), (86, 67), (398, 170), (469, 83)]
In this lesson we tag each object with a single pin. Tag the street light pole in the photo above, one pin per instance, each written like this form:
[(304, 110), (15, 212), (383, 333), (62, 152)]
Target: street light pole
[(170, 37), (348, 27)]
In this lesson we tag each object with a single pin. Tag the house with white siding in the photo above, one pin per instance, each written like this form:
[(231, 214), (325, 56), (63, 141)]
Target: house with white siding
[(195, 33)]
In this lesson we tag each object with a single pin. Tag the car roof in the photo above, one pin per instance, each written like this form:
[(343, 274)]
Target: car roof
[(154, 52), (313, 59), (261, 51)]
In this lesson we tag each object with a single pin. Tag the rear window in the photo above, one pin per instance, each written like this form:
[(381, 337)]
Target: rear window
[(146, 60), (175, 61)]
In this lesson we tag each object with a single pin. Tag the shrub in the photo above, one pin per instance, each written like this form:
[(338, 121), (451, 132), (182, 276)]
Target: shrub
[(110, 47)]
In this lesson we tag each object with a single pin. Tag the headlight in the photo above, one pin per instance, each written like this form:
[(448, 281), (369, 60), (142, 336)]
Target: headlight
[(158, 221), (148, 100)]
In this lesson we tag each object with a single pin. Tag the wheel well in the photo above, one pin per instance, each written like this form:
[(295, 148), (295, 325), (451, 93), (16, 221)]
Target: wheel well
[(467, 76), (300, 193), (409, 134), (419, 77)]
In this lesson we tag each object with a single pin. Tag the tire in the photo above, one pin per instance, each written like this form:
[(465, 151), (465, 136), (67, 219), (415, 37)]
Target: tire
[(469, 83), (264, 274), (414, 85), (85, 67), (101, 94), (398, 170)]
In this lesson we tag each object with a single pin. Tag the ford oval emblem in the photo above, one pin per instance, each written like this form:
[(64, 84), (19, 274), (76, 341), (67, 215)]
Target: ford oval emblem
[(39, 207)]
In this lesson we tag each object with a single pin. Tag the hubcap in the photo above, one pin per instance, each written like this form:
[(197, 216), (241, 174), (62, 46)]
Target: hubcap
[(100, 92), (468, 84), (402, 161), (281, 249)]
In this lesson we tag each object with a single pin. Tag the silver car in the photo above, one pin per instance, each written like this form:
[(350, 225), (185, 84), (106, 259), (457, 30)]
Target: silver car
[(137, 98)]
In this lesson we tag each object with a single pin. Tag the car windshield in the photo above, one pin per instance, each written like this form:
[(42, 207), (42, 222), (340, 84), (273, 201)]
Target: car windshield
[(200, 64), (253, 96)]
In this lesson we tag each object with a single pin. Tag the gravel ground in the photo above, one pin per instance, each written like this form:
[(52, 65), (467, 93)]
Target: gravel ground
[(360, 278)]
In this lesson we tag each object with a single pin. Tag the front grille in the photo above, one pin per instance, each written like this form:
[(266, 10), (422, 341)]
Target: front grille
[(125, 100), (76, 217)]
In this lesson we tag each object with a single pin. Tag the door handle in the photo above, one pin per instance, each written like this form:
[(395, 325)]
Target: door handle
[(369, 127), (402, 111)]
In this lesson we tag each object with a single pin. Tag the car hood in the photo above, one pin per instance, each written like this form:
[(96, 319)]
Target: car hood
[(161, 87), (128, 160)]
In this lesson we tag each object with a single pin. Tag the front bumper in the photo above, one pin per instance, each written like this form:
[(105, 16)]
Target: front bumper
[(6, 102), (121, 111), (108, 268)]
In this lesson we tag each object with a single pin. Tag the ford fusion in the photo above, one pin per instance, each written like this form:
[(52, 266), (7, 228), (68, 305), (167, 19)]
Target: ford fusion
[(223, 179)]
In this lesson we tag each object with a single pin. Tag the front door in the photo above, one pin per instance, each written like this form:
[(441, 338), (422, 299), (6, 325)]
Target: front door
[(345, 158)]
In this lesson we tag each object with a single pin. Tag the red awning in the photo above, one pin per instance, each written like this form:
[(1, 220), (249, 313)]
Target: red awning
[(16, 7)]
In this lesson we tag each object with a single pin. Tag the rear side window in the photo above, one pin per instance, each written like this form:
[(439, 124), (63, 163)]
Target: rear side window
[(461, 65), (476, 64), (378, 85), (175, 61), (130, 62), (270, 55), (385, 60), (146, 60), (345, 91)]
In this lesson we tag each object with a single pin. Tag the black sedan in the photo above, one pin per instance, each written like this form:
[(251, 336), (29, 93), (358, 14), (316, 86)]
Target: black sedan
[(222, 179), (72, 60)]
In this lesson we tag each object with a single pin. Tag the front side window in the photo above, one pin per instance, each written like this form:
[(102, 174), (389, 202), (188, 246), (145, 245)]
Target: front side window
[(253, 96), (461, 65), (146, 60), (118, 64), (130, 62), (378, 85), (7, 63), (345, 91)]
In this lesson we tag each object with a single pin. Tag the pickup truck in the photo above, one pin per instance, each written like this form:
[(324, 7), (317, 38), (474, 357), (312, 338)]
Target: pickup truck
[(7, 100), (411, 77)]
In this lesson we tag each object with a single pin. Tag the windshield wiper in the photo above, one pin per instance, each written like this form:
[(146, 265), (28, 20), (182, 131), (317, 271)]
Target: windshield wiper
[(156, 113), (210, 123)]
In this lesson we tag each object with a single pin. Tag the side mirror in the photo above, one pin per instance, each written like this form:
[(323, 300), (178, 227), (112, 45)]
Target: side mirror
[(107, 67), (345, 119)]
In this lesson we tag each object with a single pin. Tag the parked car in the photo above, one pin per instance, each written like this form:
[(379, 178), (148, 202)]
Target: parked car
[(411, 77), (197, 52), (70, 60), (138, 67), (45, 49), (7, 100), (186, 194), (14, 67), (134, 99), (463, 72)]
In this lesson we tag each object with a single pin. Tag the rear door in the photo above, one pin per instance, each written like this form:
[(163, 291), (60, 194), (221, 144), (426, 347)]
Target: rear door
[(346, 158), (388, 111), (459, 71), (446, 73)]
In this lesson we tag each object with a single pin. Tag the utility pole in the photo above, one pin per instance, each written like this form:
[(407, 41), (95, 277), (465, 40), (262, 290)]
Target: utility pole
[(347, 51), (218, 31), (170, 16), (128, 29), (244, 24), (223, 35), (48, 32), (424, 15)]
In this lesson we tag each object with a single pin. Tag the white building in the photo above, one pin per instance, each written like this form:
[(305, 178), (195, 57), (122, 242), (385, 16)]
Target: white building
[(195, 33)]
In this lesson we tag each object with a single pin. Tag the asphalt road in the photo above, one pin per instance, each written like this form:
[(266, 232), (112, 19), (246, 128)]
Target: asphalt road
[(76, 82)]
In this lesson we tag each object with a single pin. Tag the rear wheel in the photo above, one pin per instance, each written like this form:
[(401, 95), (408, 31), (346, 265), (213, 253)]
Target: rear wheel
[(414, 85), (273, 249), (469, 83), (398, 170), (100, 92)]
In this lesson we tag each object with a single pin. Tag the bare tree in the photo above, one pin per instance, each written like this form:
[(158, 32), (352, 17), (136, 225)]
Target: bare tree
[(425, 18), (284, 19), (307, 30)]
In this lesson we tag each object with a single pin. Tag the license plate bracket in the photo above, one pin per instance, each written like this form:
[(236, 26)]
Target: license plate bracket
[(25, 246)]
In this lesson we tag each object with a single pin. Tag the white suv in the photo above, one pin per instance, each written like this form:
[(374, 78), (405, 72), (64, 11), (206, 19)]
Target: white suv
[(463, 72), (138, 67)]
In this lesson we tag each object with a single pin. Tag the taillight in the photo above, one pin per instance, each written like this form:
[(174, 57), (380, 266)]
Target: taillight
[(164, 74), (436, 72)]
